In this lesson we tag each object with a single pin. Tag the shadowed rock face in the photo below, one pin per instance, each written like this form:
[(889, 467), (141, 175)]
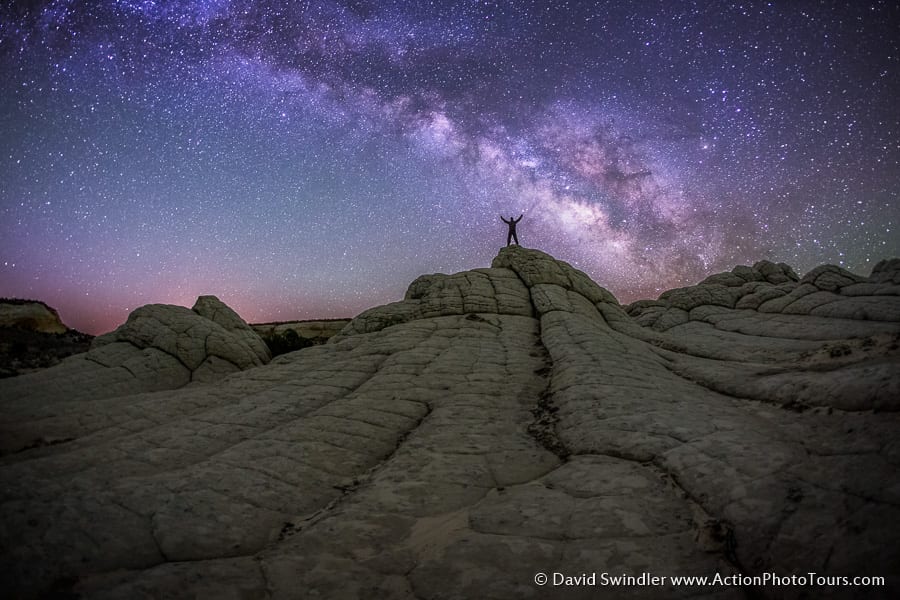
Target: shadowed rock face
[(493, 424)]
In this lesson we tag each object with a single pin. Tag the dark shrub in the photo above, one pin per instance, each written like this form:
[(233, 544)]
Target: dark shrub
[(289, 341)]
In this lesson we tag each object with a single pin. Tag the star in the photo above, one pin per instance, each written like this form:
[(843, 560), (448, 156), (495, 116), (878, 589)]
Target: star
[(309, 160)]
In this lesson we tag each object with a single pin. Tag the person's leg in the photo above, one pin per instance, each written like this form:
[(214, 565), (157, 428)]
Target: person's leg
[(515, 238), (509, 237)]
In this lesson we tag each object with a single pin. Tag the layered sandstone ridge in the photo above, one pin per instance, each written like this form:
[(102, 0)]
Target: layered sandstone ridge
[(493, 424), (826, 291)]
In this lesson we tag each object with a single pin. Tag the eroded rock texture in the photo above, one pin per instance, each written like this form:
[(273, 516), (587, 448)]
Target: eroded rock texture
[(493, 424), (160, 347)]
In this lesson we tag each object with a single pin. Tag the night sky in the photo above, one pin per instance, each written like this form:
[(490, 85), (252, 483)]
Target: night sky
[(310, 159)]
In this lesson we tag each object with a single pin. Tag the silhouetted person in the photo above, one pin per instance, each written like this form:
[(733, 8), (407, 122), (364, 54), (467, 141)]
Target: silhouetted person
[(512, 229)]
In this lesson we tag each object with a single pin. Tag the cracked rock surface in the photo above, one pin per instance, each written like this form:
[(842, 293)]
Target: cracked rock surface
[(493, 424), (159, 347)]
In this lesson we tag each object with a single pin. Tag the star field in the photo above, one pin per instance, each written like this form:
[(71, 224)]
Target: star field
[(309, 159)]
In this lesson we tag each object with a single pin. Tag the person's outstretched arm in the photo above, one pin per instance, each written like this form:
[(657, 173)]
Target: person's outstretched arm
[(504, 220), (520, 217)]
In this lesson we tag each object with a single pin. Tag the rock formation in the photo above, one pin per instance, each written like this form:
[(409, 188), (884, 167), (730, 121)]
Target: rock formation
[(159, 347), (32, 337), (494, 424), (30, 315)]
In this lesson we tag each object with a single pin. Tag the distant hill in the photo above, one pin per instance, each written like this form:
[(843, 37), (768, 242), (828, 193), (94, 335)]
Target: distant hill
[(32, 337), (32, 315)]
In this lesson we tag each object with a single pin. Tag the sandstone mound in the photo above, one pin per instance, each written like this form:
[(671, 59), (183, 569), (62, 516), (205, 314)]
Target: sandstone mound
[(30, 315), (492, 425), (160, 347)]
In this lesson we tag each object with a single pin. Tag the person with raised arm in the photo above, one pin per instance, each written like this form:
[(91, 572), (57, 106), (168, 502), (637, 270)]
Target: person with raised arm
[(511, 236)]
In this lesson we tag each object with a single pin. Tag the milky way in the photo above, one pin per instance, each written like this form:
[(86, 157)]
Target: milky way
[(309, 159)]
